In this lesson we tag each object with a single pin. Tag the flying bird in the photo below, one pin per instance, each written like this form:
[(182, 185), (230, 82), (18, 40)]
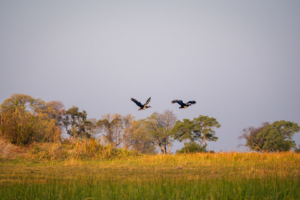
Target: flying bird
[(142, 107), (184, 105)]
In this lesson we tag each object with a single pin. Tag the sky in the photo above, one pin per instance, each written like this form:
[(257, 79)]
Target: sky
[(239, 60)]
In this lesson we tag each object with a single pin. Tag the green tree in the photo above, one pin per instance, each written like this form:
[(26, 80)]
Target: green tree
[(201, 129), (76, 123), (271, 137), (250, 133)]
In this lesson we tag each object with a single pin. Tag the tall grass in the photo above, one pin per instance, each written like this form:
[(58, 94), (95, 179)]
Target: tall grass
[(86, 149), (159, 188), (187, 176)]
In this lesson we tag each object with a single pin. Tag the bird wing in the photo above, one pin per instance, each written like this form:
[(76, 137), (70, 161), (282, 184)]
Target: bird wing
[(137, 102), (179, 102), (191, 102), (147, 102)]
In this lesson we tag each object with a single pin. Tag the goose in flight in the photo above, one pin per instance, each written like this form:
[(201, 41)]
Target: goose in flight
[(184, 105), (142, 107)]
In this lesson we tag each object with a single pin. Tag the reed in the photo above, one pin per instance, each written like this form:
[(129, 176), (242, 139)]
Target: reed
[(230, 175)]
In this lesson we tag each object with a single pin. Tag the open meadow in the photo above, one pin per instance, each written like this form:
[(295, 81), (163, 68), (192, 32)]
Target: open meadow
[(149, 100), (185, 176)]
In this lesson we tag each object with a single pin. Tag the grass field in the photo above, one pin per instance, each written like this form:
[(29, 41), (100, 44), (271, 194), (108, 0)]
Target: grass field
[(190, 176)]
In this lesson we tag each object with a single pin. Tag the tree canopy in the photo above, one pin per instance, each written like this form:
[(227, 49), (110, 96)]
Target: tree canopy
[(201, 129), (78, 123), (158, 129), (271, 137), (116, 128), (24, 119)]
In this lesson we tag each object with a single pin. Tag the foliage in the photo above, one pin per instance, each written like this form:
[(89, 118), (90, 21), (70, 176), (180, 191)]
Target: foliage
[(47, 129), (18, 125), (271, 137), (22, 127), (22, 100), (55, 110), (199, 129), (25, 119), (192, 147), (138, 140), (116, 129), (141, 135), (250, 133), (158, 129), (76, 123)]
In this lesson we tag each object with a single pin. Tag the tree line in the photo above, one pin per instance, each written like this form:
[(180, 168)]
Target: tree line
[(24, 119)]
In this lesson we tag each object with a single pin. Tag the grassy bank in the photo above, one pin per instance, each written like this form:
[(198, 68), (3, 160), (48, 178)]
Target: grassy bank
[(197, 176)]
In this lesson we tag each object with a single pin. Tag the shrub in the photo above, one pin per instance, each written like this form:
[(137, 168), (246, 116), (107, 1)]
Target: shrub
[(192, 147), (22, 127), (18, 126)]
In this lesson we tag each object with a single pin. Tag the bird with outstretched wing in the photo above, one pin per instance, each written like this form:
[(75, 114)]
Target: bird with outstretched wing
[(142, 107), (184, 105)]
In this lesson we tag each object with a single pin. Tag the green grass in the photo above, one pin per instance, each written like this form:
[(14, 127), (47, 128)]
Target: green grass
[(159, 188), (198, 176)]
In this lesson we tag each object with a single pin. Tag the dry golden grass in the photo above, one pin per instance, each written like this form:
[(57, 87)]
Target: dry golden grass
[(200, 165), (183, 176)]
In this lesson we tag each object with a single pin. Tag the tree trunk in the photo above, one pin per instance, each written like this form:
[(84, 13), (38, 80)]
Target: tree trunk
[(169, 143)]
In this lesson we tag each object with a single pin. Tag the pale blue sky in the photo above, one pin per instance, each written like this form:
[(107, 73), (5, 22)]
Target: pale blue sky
[(240, 60)]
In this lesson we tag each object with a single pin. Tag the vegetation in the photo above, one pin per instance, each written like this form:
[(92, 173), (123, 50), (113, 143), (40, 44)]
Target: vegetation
[(116, 129), (78, 123), (22, 126), (158, 129), (200, 129), (192, 147), (271, 137), (106, 158), (139, 140), (184, 176), (24, 119), (297, 150)]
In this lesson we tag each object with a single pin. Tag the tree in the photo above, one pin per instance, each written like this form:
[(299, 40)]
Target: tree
[(94, 129), (271, 137), (158, 129), (53, 109), (18, 125), (138, 140), (115, 128), (201, 129), (56, 110), (22, 100), (250, 133), (79, 125), (22, 125)]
